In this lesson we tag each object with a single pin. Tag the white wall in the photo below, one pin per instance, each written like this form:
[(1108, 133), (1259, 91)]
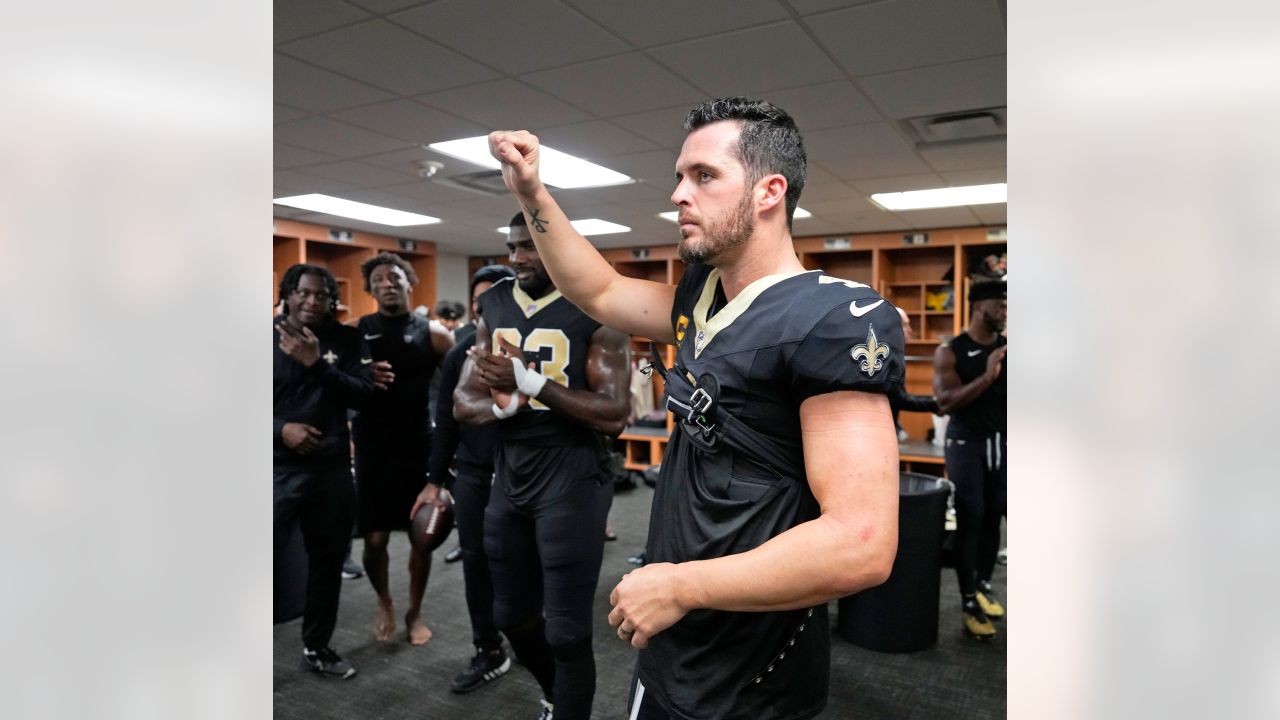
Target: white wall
[(452, 278)]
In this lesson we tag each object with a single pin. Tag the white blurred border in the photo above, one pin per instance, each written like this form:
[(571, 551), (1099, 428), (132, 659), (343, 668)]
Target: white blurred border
[(136, 152), (1144, 211)]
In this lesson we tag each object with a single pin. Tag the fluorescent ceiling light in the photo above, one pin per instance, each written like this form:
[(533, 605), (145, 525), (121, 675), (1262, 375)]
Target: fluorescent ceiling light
[(674, 215), (942, 197), (590, 226), (556, 168), (355, 210)]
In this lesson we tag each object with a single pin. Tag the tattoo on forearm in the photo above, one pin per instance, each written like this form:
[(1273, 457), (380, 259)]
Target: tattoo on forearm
[(538, 223)]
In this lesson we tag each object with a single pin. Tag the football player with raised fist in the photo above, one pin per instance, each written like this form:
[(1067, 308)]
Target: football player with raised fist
[(779, 489)]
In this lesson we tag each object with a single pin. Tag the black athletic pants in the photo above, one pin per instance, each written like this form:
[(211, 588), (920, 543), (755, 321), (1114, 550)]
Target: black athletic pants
[(546, 564), (977, 467), (470, 497), (323, 501)]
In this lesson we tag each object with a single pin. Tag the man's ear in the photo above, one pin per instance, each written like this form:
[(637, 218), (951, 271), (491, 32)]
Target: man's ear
[(770, 192)]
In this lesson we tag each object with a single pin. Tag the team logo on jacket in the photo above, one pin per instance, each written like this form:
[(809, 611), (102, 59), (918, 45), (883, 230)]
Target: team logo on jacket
[(330, 357), (870, 355), (682, 324)]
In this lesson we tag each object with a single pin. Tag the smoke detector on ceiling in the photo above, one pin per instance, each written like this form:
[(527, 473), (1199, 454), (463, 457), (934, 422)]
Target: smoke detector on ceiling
[(428, 168)]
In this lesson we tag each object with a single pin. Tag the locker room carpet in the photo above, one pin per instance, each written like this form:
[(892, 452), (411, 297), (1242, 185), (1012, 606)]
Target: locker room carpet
[(957, 678)]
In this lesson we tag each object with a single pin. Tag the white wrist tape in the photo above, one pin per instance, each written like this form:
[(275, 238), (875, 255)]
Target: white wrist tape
[(502, 413), (529, 381)]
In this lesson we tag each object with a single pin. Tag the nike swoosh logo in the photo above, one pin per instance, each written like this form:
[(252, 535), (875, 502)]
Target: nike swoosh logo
[(373, 337), (972, 353), (365, 361), (860, 311)]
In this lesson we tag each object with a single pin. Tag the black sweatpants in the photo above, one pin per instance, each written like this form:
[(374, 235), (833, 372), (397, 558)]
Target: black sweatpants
[(546, 563), (470, 497), (977, 467), (323, 502)]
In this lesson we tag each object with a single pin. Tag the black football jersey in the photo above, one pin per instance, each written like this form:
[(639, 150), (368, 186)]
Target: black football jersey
[(988, 414), (555, 335), (405, 342), (782, 340)]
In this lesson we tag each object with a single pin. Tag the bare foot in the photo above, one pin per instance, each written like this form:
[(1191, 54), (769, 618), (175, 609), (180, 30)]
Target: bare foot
[(384, 621), (419, 633)]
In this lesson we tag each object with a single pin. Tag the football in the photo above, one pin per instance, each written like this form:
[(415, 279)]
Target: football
[(432, 525)]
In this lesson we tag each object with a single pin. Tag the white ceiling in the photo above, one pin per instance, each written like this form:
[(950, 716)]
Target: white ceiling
[(361, 85)]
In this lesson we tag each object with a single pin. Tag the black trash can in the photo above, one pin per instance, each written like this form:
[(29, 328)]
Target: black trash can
[(902, 614)]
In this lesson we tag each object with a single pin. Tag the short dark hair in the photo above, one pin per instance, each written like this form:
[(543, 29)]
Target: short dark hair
[(490, 274), (386, 258), (293, 276), (770, 141), (449, 310), (518, 221)]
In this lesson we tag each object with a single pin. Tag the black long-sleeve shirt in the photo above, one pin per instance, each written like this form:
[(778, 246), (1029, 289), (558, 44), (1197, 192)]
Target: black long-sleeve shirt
[(474, 444), (900, 399), (320, 395)]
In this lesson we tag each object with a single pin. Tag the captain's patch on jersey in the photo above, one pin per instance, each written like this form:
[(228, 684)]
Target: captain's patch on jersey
[(870, 355), (682, 324)]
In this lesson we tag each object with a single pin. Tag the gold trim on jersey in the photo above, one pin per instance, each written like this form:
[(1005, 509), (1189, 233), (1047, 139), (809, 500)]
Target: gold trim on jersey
[(528, 305), (708, 329)]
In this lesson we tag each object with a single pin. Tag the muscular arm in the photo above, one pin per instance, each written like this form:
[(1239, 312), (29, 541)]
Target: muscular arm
[(953, 393), (851, 460), (472, 403), (638, 307), (606, 403), (441, 340)]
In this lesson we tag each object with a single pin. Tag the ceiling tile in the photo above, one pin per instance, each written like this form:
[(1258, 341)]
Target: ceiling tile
[(835, 147), (411, 121), (389, 57), (594, 140), (316, 90), (994, 214), (874, 166), (616, 86), (368, 176), (897, 184), (302, 184), (653, 22), (826, 105), (976, 177), (664, 127), (290, 156), (881, 37), (735, 63), (325, 135), (967, 156), (383, 7), (967, 85), (297, 18), (657, 167), (532, 34), (939, 218), (505, 104), (809, 7), (284, 113)]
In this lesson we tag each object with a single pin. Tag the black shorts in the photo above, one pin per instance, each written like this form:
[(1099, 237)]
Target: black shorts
[(389, 476)]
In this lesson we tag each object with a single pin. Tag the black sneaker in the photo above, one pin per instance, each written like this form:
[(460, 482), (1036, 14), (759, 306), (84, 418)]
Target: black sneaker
[(485, 666), (327, 662), (454, 555), (351, 569), (546, 713)]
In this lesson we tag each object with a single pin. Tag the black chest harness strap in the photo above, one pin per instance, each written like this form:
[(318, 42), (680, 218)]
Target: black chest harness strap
[(702, 417)]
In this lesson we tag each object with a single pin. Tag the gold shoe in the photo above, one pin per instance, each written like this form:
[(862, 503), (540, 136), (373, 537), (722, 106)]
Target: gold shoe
[(990, 606), (976, 622)]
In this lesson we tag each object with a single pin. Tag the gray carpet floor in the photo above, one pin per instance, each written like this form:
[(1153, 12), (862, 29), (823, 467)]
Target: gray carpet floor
[(957, 678)]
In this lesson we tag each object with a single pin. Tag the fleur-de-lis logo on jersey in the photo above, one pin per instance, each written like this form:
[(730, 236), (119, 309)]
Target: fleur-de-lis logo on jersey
[(871, 355)]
